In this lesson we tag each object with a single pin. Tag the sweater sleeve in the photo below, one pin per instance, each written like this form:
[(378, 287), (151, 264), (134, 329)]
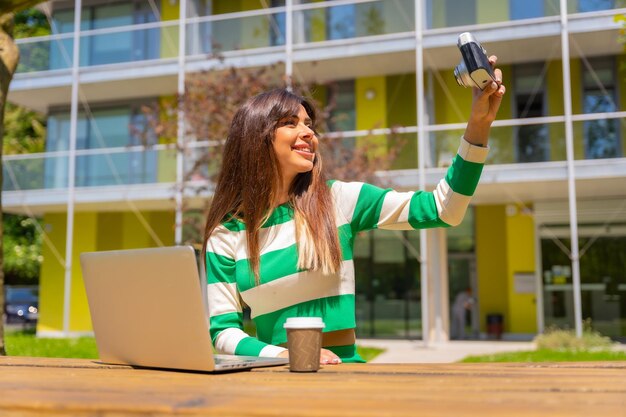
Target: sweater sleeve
[(224, 301), (368, 207)]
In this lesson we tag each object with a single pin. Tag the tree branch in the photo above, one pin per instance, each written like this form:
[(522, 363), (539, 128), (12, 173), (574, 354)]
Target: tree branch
[(12, 6)]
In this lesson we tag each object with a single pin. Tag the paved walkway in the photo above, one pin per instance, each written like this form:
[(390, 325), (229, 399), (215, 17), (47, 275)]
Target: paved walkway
[(414, 351)]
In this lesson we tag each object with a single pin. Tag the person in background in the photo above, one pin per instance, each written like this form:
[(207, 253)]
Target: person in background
[(463, 302), (279, 236)]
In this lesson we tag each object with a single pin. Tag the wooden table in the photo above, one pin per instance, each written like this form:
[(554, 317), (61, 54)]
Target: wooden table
[(81, 387)]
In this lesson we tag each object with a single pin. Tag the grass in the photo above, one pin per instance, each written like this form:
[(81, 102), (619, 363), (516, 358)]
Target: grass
[(368, 353), (25, 343), (561, 345), (547, 355)]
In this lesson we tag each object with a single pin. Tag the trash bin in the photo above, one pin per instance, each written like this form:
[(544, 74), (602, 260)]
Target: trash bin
[(495, 325)]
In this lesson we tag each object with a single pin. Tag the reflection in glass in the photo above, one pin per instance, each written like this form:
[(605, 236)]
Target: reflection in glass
[(595, 5), (28, 174), (342, 105), (115, 127), (532, 142), (526, 9), (460, 13), (353, 20), (387, 284), (601, 137), (603, 285), (236, 34)]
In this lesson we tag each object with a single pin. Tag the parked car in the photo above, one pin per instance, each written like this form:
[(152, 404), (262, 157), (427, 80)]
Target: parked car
[(21, 304)]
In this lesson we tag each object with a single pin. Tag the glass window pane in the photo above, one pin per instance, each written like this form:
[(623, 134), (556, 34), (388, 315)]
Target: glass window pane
[(343, 108), (526, 9), (532, 141), (460, 13), (341, 22), (113, 15), (109, 128), (595, 5), (112, 47), (601, 138), (354, 20)]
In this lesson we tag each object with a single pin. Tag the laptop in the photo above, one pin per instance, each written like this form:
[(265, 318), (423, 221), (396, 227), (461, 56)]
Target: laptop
[(147, 310)]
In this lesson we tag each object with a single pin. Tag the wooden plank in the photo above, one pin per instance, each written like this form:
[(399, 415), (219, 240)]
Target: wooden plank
[(36, 386)]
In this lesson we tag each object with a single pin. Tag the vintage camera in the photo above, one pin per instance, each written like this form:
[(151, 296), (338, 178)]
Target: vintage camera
[(474, 69)]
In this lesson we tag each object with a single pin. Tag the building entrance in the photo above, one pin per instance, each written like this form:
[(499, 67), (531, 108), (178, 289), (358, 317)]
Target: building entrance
[(464, 323), (388, 303)]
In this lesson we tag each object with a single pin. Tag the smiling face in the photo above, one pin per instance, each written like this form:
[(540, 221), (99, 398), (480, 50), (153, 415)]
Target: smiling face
[(295, 145)]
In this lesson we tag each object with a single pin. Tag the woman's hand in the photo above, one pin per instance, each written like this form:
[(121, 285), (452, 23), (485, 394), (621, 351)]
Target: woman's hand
[(485, 105), (326, 357)]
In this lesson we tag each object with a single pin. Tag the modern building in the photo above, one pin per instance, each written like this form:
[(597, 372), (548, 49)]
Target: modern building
[(544, 242)]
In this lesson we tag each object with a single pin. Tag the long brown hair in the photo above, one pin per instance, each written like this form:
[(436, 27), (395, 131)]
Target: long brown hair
[(250, 180)]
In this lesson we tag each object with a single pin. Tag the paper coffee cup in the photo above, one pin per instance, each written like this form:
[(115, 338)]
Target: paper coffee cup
[(304, 342)]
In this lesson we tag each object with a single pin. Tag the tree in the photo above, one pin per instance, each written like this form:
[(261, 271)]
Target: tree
[(209, 104), (9, 58)]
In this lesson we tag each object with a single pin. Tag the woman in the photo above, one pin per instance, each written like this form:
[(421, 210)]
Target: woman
[(279, 237)]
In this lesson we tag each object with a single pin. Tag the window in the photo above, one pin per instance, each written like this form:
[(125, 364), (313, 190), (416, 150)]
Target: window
[(340, 22), (601, 137), (343, 109), (531, 141), (526, 9), (460, 13), (107, 48), (277, 25), (112, 127), (595, 5)]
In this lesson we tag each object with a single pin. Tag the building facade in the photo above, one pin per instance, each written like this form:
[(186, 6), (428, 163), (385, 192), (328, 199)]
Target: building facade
[(544, 242)]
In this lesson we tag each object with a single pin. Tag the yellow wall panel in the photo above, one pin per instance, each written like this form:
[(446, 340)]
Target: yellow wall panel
[(520, 247), (621, 87), (134, 235), (92, 232), (488, 11), (577, 106), (491, 265), (85, 240), (163, 224), (402, 111), (371, 110), (452, 102), (51, 281), (317, 22), (371, 102), (109, 235), (226, 6), (169, 34)]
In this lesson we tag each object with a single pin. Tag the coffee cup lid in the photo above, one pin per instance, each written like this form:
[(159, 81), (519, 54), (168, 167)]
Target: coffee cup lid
[(304, 323)]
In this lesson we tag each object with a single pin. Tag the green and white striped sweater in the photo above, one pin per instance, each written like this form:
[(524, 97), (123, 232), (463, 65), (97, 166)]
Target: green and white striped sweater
[(285, 291)]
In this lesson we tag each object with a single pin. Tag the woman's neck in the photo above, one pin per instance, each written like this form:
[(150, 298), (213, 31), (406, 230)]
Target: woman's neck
[(281, 201), (283, 195)]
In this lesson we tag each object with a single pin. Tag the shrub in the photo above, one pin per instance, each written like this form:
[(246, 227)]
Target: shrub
[(564, 339)]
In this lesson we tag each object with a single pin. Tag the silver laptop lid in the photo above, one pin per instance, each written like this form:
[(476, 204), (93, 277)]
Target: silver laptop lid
[(147, 309)]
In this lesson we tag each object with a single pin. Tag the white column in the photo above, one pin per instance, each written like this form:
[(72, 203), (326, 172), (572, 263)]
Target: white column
[(439, 305), (180, 127), (421, 162), (571, 176), (289, 43), (71, 171), (538, 281)]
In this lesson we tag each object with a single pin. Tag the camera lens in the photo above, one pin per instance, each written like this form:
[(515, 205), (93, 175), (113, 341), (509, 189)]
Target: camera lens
[(457, 76), (462, 76)]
